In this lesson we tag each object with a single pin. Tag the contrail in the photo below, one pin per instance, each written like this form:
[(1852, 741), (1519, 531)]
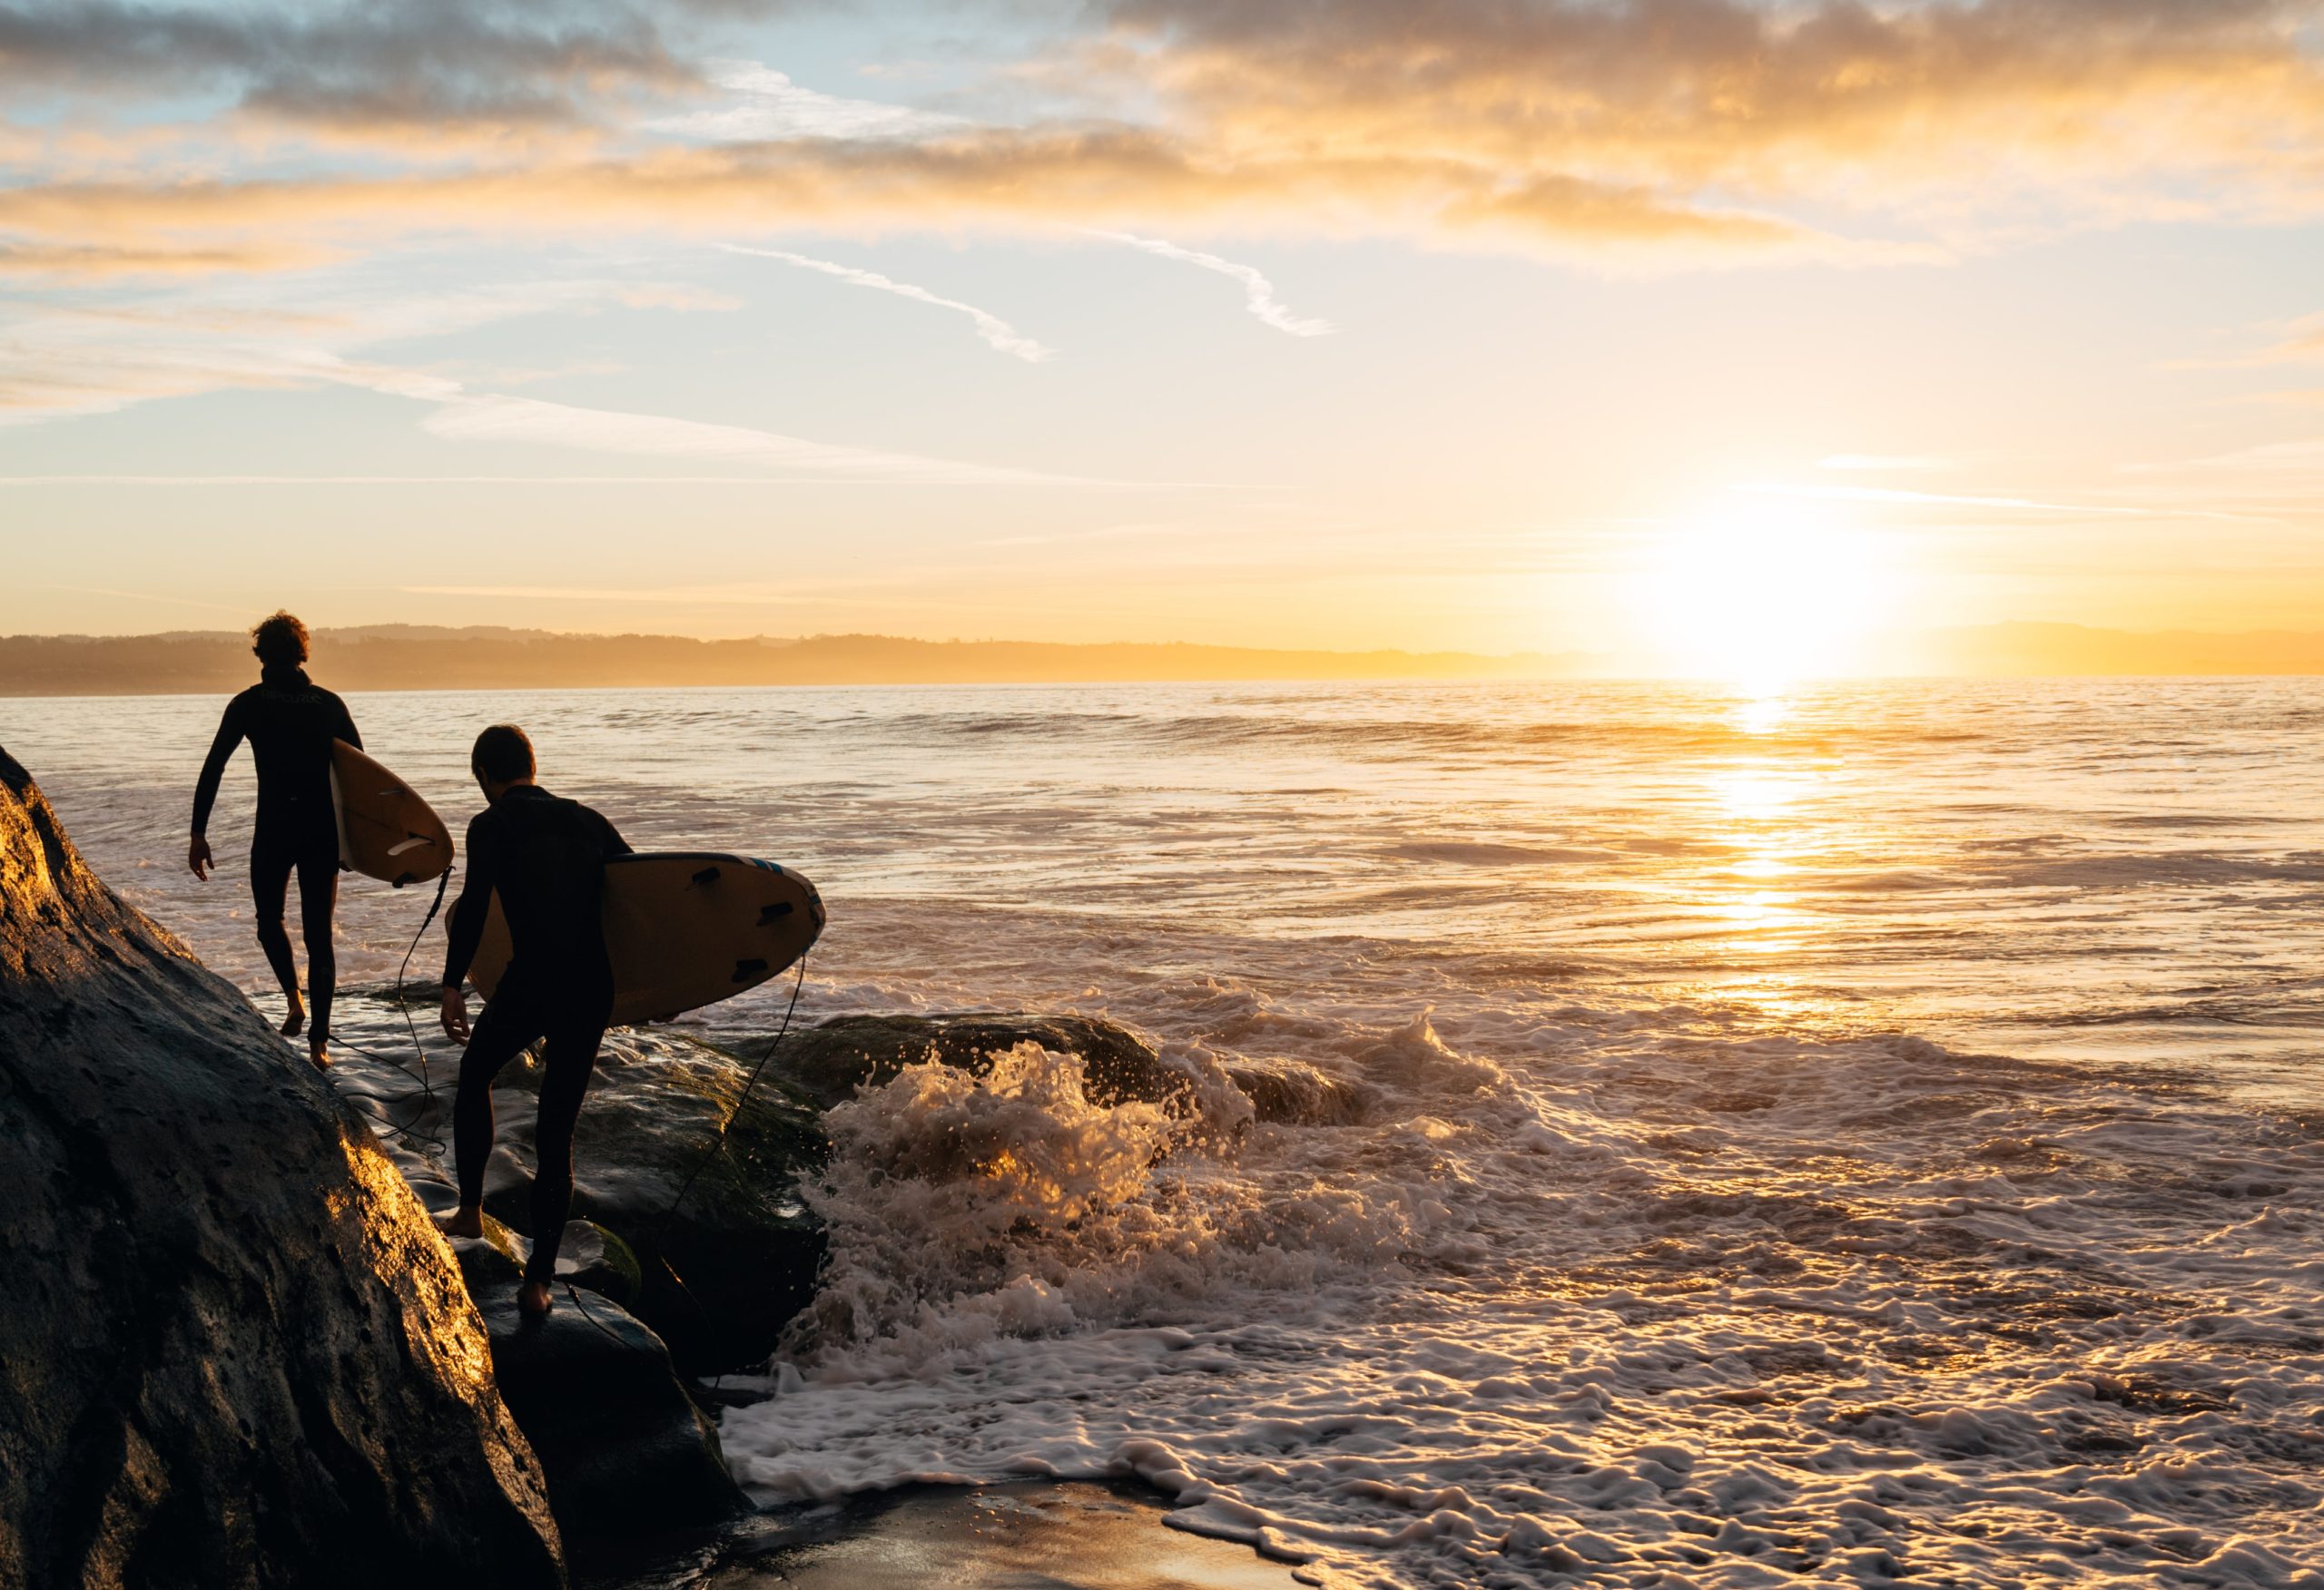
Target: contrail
[(1258, 292), (998, 333)]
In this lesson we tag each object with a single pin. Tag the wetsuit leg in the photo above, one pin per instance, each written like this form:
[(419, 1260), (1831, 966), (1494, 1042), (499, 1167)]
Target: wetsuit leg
[(574, 1036), (317, 896), (509, 1022), (271, 864)]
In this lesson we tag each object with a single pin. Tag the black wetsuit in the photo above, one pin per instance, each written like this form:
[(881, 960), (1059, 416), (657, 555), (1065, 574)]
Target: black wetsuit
[(547, 859), (290, 722)]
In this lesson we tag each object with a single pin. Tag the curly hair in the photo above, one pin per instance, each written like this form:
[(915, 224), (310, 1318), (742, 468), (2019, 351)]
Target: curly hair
[(281, 642)]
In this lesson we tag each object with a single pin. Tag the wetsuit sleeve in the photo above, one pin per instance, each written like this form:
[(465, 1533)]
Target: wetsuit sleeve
[(476, 899), (344, 729), (230, 730)]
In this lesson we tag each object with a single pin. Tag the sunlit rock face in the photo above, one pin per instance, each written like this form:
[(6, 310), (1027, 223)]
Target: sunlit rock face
[(234, 1352)]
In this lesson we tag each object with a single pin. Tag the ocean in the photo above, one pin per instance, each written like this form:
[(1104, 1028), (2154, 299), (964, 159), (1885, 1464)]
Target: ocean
[(1868, 1133)]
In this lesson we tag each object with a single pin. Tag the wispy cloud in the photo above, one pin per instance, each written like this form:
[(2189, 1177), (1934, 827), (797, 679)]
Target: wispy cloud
[(764, 104), (1873, 493), (737, 596), (464, 416), (998, 333), (1882, 463), (1258, 292)]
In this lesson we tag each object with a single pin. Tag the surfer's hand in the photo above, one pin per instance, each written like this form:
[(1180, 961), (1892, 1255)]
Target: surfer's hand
[(456, 1016), (197, 857)]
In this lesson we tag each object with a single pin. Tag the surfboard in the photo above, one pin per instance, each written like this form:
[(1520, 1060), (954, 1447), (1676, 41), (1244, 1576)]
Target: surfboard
[(684, 929), (385, 830)]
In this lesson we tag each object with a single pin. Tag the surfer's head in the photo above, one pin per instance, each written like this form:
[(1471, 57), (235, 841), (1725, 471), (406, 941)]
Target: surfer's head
[(502, 757), (281, 642)]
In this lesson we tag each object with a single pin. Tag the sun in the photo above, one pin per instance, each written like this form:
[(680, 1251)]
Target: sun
[(1760, 597)]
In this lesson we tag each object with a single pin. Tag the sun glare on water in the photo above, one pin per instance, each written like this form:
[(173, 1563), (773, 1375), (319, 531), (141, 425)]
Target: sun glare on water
[(1760, 598)]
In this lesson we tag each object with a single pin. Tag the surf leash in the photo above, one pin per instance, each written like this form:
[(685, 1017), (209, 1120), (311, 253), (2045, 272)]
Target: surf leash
[(433, 1138), (718, 1138), (717, 1142)]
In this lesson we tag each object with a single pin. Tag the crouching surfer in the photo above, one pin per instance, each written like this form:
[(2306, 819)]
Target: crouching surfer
[(290, 721), (546, 858)]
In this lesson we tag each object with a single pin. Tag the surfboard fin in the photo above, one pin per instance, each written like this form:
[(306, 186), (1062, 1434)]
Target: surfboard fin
[(771, 913), (746, 971), (708, 875)]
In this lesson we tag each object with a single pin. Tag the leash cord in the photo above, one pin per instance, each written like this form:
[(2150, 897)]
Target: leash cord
[(718, 1139), (432, 1137)]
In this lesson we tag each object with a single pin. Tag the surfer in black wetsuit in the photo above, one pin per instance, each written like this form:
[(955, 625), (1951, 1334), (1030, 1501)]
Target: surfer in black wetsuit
[(290, 722), (546, 859)]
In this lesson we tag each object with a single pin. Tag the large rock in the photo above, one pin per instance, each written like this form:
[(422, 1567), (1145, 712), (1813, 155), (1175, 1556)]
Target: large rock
[(625, 1449), (828, 1062), (724, 1270), (235, 1351)]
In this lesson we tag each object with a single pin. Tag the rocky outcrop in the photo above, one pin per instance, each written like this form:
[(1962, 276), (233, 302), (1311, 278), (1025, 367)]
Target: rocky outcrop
[(625, 1449), (232, 1350), (827, 1062), (723, 1269)]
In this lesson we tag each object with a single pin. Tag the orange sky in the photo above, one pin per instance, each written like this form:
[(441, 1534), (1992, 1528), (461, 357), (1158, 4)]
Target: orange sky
[(1707, 335)]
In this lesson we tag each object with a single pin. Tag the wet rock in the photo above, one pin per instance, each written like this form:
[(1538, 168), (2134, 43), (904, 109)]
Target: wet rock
[(1292, 1093), (625, 1448), (827, 1062), (593, 1257), (235, 1351), (722, 1273)]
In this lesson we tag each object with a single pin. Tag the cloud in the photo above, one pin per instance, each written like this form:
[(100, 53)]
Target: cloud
[(2101, 105), (1869, 494), (1012, 178), (1624, 133), (1882, 463), (376, 63), (735, 595), (465, 416), (765, 104), (998, 333), (1258, 292), (82, 263)]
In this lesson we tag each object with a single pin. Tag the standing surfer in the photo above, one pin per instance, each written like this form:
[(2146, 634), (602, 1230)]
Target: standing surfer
[(546, 859), (291, 722)]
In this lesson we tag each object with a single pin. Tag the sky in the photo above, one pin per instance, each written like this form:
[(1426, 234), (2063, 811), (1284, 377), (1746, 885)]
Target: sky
[(1699, 335)]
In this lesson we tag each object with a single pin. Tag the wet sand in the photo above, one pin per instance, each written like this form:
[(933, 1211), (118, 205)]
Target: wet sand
[(1022, 1537)]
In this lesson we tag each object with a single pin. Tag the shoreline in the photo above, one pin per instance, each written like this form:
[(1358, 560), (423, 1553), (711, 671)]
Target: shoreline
[(1011, 1535)]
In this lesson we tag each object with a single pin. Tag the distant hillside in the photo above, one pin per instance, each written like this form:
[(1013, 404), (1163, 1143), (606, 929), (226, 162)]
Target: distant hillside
[(417, 657), (2053, 649)]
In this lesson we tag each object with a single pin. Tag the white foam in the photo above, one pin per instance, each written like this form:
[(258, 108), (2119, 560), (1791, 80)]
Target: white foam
[(1657, 1254)]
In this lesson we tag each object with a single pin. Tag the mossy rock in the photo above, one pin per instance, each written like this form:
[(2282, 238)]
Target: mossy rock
[(593, 1257), (724, 1271), (829, 1062)]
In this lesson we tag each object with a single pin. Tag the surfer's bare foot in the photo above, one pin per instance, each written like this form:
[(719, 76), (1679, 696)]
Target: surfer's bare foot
[(295, 1022), (319, 1055), (462, 1222), (533, 1299)]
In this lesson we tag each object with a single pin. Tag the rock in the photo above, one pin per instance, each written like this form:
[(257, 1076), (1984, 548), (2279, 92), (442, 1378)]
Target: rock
[(1292, 1093), (828, 1062), (626, 1450), (721, 1276), (235, 1351), (593, 1257)]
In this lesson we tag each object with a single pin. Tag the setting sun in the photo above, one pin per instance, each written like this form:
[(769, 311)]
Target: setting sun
[(1759, 598)]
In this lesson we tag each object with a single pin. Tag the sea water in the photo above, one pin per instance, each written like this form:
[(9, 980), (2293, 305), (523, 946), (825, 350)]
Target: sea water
[(1871, 1133)]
